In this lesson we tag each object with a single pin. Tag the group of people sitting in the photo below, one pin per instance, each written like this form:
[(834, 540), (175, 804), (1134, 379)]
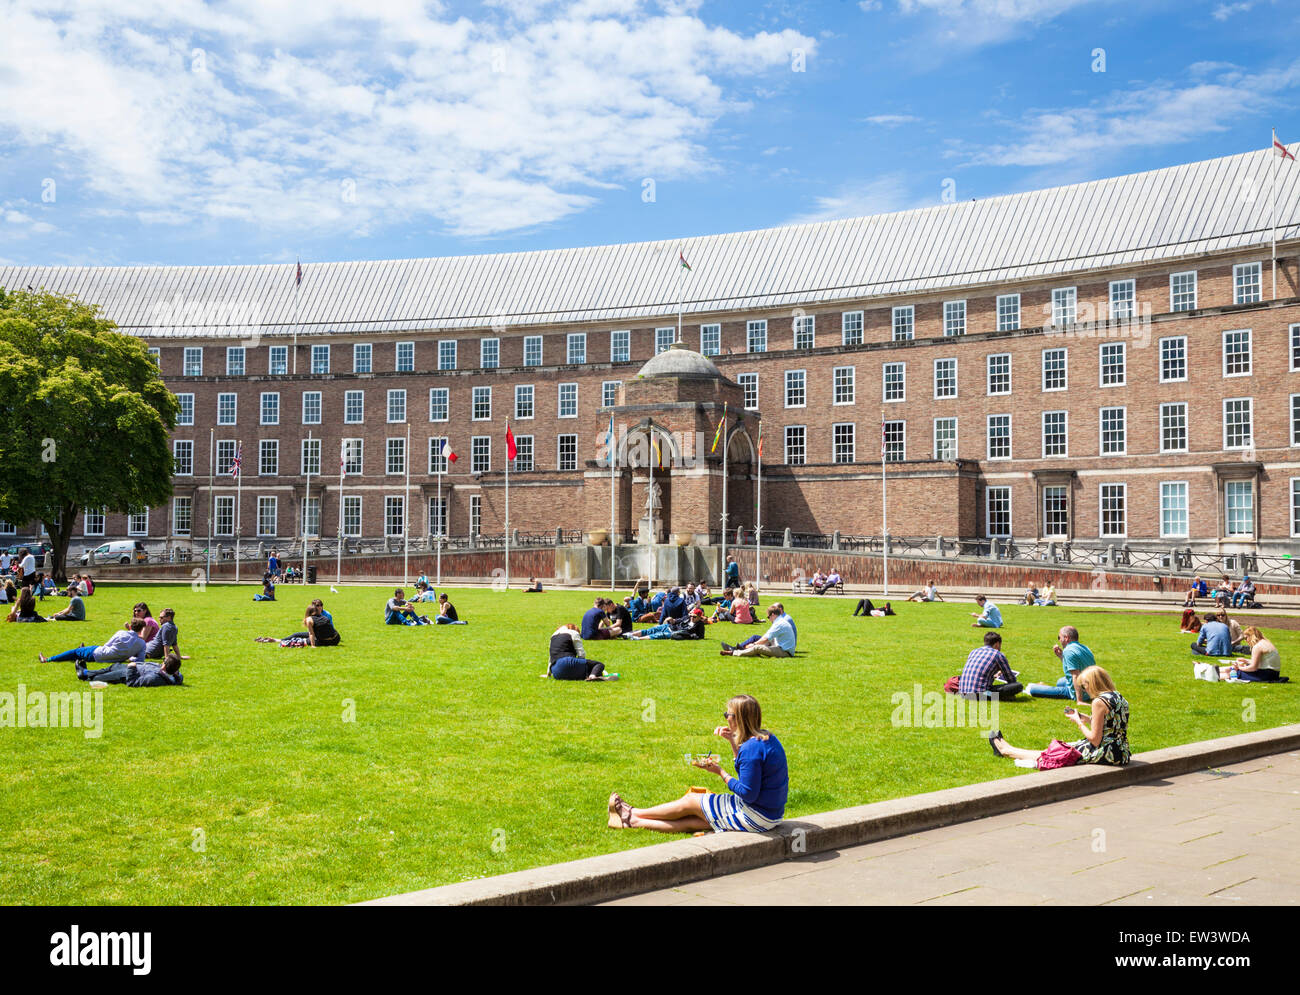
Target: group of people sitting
[(317, 630), (820, 583), (127, 656), (399, 611), (24, 600), (282, 573), (1225, 594), (1040, 597)]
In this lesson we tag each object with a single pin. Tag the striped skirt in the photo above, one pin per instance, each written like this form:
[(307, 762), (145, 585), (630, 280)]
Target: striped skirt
[(727, 813)]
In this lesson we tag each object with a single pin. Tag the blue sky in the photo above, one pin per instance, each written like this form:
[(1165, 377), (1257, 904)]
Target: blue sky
[(249, 131)]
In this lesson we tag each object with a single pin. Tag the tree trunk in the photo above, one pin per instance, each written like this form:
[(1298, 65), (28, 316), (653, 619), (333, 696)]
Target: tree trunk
[(60, 536)]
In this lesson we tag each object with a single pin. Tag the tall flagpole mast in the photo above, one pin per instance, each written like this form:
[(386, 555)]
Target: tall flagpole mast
[(884, 502), (507, 504), (758, 531), (650, 502), (339, 552), (239, 503), (406, 510), (306, 508), (725, 440), (1272, 184), (442, 524), (613, 516), (297, 288), (212, 483)]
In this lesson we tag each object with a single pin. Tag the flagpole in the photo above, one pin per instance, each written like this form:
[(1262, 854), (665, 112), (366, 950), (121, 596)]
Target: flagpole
[(406, 509), (884, 502), (613, 515), (297, 288), (725, 440), (650, 502), (507, 504), (681, 293), (212, 483), (442, 525), (239, 503), (339, 552), (306, 507), (1272, 184), (758, 532)]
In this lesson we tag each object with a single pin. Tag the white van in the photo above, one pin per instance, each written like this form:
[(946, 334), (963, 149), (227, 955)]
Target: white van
[(123, 551)]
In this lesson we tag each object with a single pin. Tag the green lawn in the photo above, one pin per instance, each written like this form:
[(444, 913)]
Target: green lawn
[(248, 785)]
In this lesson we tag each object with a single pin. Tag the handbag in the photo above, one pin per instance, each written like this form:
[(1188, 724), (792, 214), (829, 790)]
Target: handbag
[(1205, 671), (1058, 754)]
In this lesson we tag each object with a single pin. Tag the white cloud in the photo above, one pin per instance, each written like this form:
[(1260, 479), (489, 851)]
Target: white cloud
[(971, 23), (1154, 114), (1226, 10), (349, 116), (18, 223), (881, 195), (892, 120)]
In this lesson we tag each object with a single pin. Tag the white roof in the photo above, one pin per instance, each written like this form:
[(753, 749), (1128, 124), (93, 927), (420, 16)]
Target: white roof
[(1203, 207)]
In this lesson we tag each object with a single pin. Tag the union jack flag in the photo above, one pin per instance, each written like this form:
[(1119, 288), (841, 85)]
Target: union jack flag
[(239, 458)]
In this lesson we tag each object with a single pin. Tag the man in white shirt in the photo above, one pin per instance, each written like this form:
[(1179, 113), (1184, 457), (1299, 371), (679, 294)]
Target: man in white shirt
[(4, 562), (28, 567)]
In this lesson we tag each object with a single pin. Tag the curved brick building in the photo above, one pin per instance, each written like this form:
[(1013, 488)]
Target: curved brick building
[(1114, 361)]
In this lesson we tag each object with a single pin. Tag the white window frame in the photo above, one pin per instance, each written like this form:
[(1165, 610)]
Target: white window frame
[(745, 379), (185, 407), (1160, 358), (489, 353), (533, 350), (988, 374), (525, 454), (1237, 271), (803, 456), (223, 511), (477, 393), (273, 416), (952, 325), (1101, 510), (1007, 305), (1186, 509), (354, 455), (1101, 429), (268, 455), (902, 455), (1173, 307), (1065, 306), (395, 450), (529, 391), (320, 406), (901, 369), (945, 359), (1123, 364), (309, 458), (391, 502), (265, 501), (935, 437), (179, 502), (192, 361), (397, 357), (560, 442), (232, 399), (756, 335), (1250, 408), (348, 396), (396, 398), (850, 335), (318, 353), (480, 449), (665, 336), (352, 519), (988, 512), (277, 360), (1052, 489), (1065, 433), (236, 361), (560, 401), (575, 348), (367, 350), (100, 516), (1065, 369), (447, 354), (177, 444), (844, 390), (1295, 419), (1294, 330), (1130, 301), (609, 392), (620, 345), (1250, 352), (988, 438), (852, 432), (711, 339), (804, 325), (444, 395), (803, 387), (902, 323), (1248, 487)]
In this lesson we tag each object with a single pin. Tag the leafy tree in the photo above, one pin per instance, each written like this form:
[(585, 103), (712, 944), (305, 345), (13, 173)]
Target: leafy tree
[(84, 417)]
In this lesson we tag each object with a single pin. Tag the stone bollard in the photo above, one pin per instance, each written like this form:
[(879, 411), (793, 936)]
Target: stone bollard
[(1110, 555), (938, 545), (788, 540), (835, 539), (514, 537), (1051, 553), (559, 535), (995, 549)]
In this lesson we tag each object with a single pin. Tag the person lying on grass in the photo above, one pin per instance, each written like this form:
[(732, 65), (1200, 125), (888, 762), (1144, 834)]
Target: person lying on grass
[(756, 803), (138, 675), (689, 627), (318, 630), (569, 658), (121, 646), (1105, 733)]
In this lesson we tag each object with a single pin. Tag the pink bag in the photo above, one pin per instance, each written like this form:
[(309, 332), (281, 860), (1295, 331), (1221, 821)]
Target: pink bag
[(1058, 754)]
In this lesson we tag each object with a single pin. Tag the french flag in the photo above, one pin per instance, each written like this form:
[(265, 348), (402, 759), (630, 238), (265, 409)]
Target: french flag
[(446, 453)]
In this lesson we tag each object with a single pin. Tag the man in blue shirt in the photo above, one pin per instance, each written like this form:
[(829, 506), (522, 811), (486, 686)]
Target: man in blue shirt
[(674, 605), (990, 616), (778, 641), (594, 623), (1075, 658), (1215, 638)]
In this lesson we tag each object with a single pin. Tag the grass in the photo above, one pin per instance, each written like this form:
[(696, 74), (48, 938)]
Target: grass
[(248, 786)]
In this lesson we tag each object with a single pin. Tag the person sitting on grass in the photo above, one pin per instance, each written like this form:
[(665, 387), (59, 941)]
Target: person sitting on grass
[(779, 640), (74, 587), (1047, 597), (399, 612), (983, 665), (636, 605), (268, 589), (928, 593), (989, 616), (751, 594), (138, 675), (722, 606), (141, 611), (534, 586), (758, 792), (75, 612), (87, 586), (655, 605), (742, 612), (1265, 663), (24, 609), (689, 627), (674, 605), (10, 596), (1075, 659), (1105, 731), (1234, 631), (1215, 638), (447, 612), (121, 646), (1191, 622), (318, 630), (595, 624), (620, 619), (1030, 596), (569, 659)]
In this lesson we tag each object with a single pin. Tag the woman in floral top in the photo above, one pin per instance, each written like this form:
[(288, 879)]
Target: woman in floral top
[(1106, 731)]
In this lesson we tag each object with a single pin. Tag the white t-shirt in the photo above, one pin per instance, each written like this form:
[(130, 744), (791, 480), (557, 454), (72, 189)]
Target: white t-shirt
[(29, 565), (4, 562)]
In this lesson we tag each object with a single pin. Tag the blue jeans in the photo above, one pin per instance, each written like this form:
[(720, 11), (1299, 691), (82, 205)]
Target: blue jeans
[(82, 654), (664, 631), (1240, 599), (751, 639), (1061, 689), (444, 620), (575, 668)]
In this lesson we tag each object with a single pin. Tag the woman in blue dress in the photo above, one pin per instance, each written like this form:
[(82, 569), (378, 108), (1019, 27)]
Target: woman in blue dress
[(755, 798)]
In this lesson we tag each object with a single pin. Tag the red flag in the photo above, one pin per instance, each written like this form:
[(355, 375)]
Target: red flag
[(511, 448)]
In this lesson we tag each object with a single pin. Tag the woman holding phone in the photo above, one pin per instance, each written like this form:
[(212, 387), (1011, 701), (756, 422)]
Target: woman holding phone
[(1105, 731), (757, 794)]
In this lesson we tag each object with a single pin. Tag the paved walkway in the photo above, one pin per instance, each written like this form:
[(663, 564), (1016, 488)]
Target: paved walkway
[(1227, 837)]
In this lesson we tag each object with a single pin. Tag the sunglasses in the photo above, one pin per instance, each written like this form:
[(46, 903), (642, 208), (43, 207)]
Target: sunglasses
[(727, 715)]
